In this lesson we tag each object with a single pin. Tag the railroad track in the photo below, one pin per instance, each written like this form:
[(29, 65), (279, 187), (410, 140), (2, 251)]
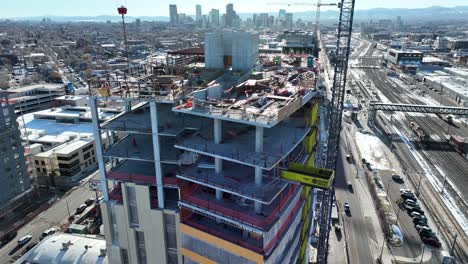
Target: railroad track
[(454, 166)]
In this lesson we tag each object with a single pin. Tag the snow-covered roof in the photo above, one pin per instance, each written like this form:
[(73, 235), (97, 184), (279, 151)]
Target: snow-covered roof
[(67, 249)]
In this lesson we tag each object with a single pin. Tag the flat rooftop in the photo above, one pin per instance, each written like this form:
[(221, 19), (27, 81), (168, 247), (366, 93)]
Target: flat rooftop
[(65, 148), (51, 250)]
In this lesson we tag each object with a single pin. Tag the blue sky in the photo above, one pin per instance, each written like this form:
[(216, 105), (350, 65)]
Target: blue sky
[(20, 8)]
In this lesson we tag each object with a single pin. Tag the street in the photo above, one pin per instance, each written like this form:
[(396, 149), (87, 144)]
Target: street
[(52, 217)]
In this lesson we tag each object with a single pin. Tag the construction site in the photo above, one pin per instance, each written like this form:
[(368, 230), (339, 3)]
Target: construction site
[(204, 153)]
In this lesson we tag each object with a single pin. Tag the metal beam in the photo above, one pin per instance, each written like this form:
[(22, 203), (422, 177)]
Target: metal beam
[(449, 110)]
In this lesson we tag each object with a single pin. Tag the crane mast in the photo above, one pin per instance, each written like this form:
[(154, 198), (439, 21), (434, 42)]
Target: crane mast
[(343, 44)]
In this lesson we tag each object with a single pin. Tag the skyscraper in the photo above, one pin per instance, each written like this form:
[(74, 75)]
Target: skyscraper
[(174, 17), (214, 17), (230, 14), (198, 15), (13, 172), (282, 13), (289, 20)]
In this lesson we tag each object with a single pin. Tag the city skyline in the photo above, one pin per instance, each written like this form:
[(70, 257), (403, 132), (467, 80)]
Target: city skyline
[(150, 8)]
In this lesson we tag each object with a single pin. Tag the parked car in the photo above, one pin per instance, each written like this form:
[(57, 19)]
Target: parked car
[(423, 227), (408, 195), (8, 237), (417, 210), (410, 201), (432, 241), (348, 158), (80, 208), (47, 232), (89, 201), (347, 208), (405, 191), (420, 220), (415, 214), (412, 207), (397, 178), (350, 186), (24, 240)]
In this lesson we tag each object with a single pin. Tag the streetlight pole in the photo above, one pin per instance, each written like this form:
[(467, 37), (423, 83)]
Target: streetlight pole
[(68, 209), (419, 185), (381, 251), (422, 255), (123, 11)]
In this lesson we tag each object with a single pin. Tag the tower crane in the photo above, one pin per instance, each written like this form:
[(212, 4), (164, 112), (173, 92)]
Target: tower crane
[(343, 44), (317, 14)]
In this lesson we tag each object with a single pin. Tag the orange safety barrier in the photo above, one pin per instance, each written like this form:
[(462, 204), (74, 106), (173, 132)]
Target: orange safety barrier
[(144, 178), (188, 196)]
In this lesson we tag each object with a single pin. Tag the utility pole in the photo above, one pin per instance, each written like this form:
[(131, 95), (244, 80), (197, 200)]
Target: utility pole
[(453, 244)]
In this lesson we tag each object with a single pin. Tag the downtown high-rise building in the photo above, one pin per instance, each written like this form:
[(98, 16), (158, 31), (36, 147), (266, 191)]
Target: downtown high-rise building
[(14, 174), (173, 16), (230, 15), (198, 12), (214, 17)]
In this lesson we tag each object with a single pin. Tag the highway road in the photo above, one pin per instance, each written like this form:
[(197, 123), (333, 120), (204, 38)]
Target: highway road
[(52, 217), (357, 226)]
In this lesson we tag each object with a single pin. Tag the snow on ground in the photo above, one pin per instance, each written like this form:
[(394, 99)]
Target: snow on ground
[(435, 182), (372, 149)]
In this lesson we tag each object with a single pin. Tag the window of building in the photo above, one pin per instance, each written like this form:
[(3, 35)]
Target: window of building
[(86, 156), (132, 206), (42, 163), (141, 249), (124, 255), (37, 162), (170, 230), (44, 170), (115, 231), (94, 160), (38, 170)]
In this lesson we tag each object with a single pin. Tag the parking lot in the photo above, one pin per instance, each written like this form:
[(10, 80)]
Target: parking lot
[(413, 244)]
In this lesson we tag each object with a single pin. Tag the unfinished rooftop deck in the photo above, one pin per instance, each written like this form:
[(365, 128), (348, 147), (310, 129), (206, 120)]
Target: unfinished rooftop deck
[(235, 179), (237, 210), (278, 143), (139, 86), (264, 102)]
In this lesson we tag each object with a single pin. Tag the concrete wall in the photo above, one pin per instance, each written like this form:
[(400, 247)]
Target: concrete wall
[(214, 51), (242, 46), (151, 222)]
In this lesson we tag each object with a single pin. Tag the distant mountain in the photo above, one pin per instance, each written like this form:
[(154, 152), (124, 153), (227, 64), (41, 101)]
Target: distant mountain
[(435, 13)]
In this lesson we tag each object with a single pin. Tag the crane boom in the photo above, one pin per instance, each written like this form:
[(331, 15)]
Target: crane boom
[(301, 4)]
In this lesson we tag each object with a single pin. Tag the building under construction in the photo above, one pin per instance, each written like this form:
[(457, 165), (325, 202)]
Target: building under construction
[(200, 175)]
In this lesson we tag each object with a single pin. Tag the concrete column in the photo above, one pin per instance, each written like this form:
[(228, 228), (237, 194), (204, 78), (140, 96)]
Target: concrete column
[(128, 105), (157, 156), (218, 132), (258, 170), (258, 139), (99, 151)]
